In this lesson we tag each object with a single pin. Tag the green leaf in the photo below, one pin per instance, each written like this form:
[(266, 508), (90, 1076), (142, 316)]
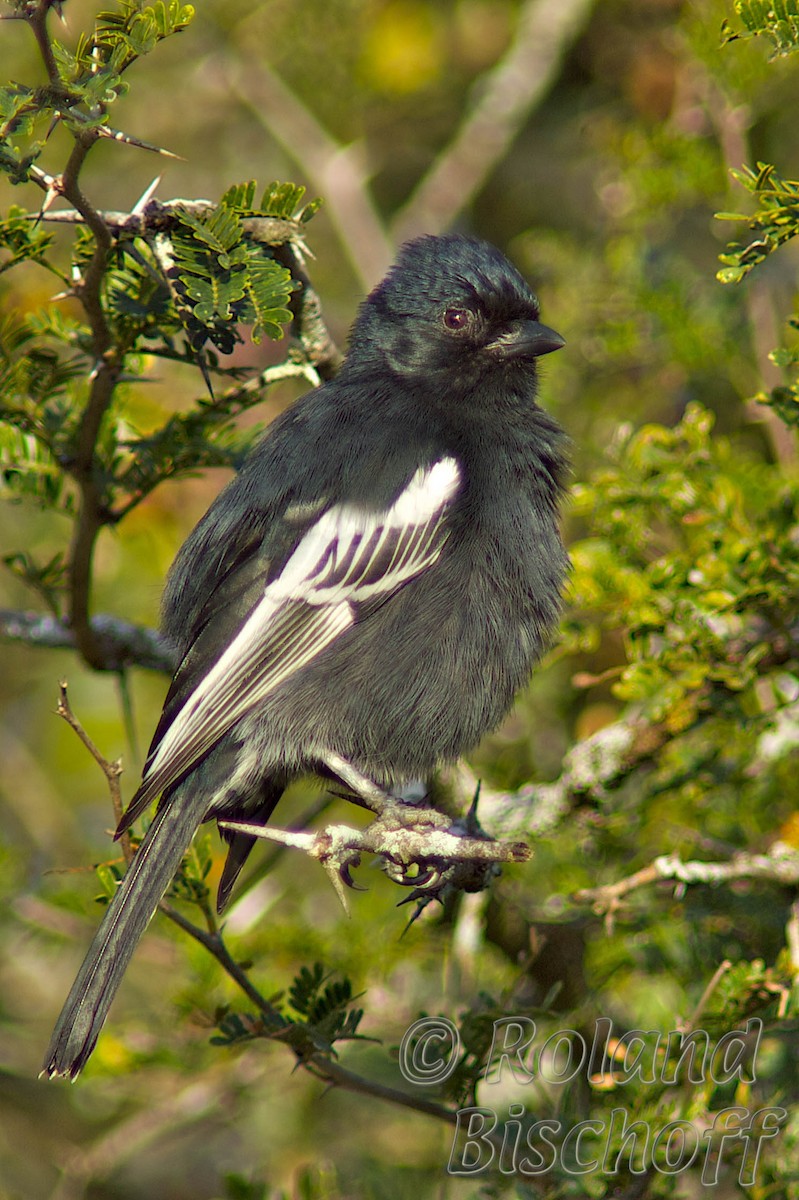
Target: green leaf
[(48, 579), (777, 21), (22, 239), (775, 223), (27, 469)]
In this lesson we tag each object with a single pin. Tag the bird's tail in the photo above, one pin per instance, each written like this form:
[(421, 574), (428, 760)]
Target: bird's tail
[(125, 920)]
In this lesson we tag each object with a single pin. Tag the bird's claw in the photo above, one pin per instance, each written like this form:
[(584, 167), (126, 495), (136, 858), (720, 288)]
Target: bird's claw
[(353, 860), (412, 874)]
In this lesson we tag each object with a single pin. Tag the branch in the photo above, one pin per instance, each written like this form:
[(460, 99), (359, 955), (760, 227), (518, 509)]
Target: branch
[(590, 770), (309, 324), (119, 643), (421, 848), (37, 19), (107, 357), (159, 216), (215, 945), (504, 99), (339, 173), (780, 865)]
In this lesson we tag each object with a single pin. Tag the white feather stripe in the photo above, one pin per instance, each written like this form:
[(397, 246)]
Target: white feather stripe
[(426, 497), (225, 694), (348, 556)]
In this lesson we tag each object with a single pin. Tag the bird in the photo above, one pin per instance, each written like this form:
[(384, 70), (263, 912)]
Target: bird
[(365, 598)]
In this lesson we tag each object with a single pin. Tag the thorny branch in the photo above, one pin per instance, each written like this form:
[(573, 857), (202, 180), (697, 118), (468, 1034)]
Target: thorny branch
[(107, 643), (108, 360), (283, 236), (421, 848)]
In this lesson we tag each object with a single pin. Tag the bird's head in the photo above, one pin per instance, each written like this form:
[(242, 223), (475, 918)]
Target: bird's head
[(451, 306)]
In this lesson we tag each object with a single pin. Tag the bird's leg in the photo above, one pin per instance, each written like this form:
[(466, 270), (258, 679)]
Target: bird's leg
[(365, 790)]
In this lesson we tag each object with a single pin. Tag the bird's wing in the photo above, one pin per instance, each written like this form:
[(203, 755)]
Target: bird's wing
[(348, 557)]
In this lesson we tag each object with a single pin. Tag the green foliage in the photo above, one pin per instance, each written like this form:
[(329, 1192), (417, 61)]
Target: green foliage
[(206, 436), (324, 1006), (319, 1014), (191, 882), (683, 560), (776, 222), (221, 277), (777, 20), (213, 272), (237, 1187), (88, 79), (131, 31), (48, 580), (280, 200), (21, 239)]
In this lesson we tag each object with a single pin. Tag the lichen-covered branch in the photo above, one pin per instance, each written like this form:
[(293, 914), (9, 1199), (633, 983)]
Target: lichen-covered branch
[(780, 865), (590, 769), (119, 643)]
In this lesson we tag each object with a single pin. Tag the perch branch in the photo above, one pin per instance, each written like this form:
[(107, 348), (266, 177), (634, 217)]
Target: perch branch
[(420, 847)]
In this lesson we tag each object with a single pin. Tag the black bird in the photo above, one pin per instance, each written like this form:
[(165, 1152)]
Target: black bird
[(365, 598)]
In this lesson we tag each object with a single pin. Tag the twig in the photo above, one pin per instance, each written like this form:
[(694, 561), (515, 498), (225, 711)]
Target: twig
[(719, 973), (215, 945), (333, 1072), (507, 94), (111, 770)]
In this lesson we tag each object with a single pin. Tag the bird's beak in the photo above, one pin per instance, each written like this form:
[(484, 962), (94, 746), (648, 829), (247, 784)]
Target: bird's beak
[(526, 339)]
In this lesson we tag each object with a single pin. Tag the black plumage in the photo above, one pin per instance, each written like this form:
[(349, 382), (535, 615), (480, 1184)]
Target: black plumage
[(370, 591)]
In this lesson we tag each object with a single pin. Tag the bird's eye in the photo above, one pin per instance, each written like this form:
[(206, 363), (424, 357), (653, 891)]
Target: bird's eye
[(457, 318)]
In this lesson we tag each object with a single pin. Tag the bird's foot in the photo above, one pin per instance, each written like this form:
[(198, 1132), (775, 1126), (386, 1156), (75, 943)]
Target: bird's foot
[(421, 848)]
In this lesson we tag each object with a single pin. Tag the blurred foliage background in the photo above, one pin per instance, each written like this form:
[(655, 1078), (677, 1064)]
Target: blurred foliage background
[(593, 142)]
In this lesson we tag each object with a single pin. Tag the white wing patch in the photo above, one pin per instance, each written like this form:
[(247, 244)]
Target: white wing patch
[(350, 555)]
